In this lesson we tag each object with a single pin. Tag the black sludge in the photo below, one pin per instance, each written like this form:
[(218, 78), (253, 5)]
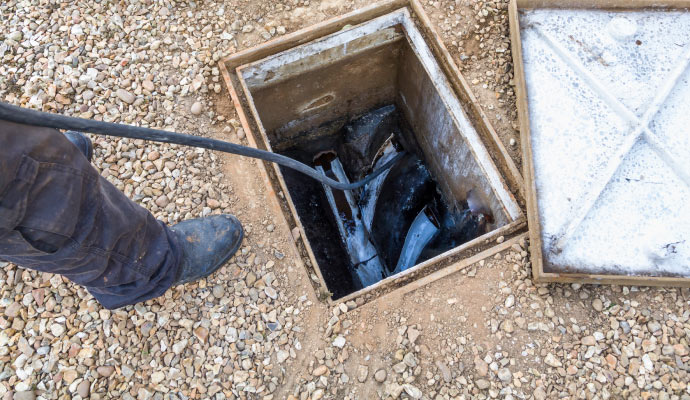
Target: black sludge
[(363, 137), (456, 228), (406, 190)]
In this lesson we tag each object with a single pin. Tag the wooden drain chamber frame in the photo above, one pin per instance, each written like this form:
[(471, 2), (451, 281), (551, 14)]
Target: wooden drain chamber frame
[(535, 225), (423, 273)]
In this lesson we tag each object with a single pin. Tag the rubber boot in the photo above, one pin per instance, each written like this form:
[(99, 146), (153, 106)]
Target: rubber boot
[(207, 244), (82, 142)]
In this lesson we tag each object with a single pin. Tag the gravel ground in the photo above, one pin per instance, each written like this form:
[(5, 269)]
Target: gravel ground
[(151, 64), (256, 328)]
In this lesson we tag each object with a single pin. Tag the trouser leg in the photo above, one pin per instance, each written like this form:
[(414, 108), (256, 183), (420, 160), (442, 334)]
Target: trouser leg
[(58, 215)]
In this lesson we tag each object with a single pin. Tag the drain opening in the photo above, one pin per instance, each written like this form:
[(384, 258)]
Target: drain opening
[(393, 223), (386, 94)]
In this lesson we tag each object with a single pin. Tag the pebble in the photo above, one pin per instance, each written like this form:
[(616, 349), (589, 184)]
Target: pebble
[(410, 360), (15, 36), (57, 329), (281, 356), (339, 341), (12, 311), (597, 304), (83, 389), (125, 96), (445, 371), (320, 370), (653, 326), (144, 394), (399, 354), (539, 393), (70, 375), (667, 350), (105, 370), (362, 373), (179, 346), (399, 367), (157, 377), (504, 375), (412, 391), (201, 333), (380, 375), (481, 367), (148, 85), (162, 201), (24, 395), (232, 335), (218, 291), (588, 341), (611, 361), (196, 108), (647, 363), (295, 233), (270, 292), (127, 371), (240, 376), (394, 389), (412, 335), (680, 349), (552, 361), (154, 155)]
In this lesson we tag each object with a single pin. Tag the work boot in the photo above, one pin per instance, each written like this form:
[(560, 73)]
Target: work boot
[(207, 243), (82, 142)]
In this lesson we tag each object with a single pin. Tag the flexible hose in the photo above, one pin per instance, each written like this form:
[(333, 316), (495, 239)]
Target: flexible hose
[(27, 116)]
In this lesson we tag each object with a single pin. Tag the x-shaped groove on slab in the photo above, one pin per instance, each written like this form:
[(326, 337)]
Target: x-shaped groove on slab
[(641, 131)]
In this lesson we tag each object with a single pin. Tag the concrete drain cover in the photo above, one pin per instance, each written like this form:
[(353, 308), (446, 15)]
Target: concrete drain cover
[(346, 101), (608, 111)]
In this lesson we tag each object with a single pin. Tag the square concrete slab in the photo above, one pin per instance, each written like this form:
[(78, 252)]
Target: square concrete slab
[(605, 109)]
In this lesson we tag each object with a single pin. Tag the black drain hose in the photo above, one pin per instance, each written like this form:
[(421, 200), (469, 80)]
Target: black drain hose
[(27, 116)]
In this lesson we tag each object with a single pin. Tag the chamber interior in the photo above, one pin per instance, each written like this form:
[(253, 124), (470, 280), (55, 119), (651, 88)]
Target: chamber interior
[(350, 96)]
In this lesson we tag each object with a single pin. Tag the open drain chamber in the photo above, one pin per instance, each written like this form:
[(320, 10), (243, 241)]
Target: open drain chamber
[(365, 90)]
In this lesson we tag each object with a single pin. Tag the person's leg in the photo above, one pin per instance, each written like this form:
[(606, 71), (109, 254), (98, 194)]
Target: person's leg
[(58, 215), (82, 142)]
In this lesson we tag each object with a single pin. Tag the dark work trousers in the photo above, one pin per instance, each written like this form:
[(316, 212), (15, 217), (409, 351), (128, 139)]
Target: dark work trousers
[(58, 215)]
